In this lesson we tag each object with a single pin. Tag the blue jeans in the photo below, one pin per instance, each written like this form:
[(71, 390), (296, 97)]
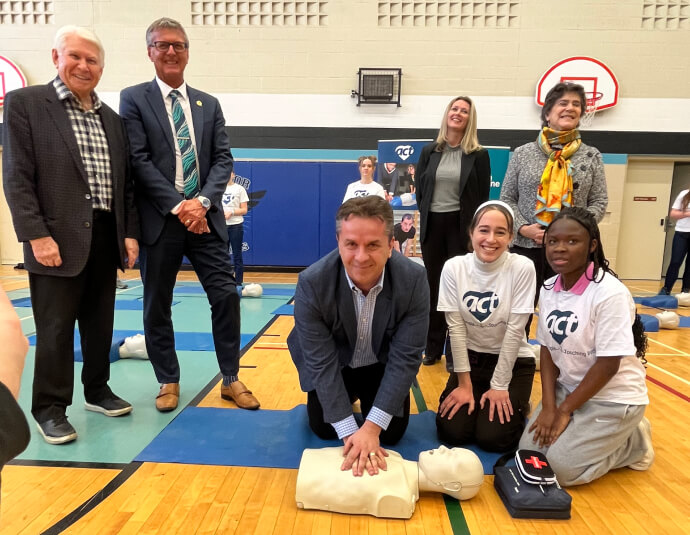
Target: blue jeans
[(679, 250), (235, 235)]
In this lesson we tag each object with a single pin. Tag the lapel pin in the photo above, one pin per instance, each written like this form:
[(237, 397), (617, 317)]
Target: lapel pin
[(198, 103)]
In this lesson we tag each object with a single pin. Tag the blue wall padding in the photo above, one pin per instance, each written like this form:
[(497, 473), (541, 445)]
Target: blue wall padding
[(269, 439), (120, 304), (659, 301), (650, 323), (285, 310), (184, 341)]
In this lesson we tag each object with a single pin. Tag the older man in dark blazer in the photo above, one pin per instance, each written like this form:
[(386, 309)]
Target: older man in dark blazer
[(67, 182), (361, 315), (181, 160)]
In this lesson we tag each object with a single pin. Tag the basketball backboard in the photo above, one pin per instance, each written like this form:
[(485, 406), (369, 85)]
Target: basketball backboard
[(598, 80)]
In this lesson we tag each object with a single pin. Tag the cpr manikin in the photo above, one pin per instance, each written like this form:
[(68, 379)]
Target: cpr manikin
[(392, 493)]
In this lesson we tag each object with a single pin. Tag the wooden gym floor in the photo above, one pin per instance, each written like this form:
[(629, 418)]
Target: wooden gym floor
[(59, 496)]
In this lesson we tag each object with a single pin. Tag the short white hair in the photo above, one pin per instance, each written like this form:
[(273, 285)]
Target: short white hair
[(86, 34)]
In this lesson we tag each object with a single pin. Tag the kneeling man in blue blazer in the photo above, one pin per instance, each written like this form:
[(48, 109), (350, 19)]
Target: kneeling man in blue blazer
[(361, 316)]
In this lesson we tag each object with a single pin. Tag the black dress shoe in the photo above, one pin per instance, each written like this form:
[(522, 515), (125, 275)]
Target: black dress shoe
[(110, 406), (57, 431), (430, 360)]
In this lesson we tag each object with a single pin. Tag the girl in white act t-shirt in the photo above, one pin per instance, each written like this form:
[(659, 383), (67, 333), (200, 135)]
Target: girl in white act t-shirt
[(365, 186), (591, 417), (487, 296)]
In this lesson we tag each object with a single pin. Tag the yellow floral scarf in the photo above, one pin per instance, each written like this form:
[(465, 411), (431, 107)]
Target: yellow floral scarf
[(556, 186)]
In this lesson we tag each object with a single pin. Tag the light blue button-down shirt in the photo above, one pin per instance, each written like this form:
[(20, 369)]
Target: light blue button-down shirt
[(363, 354)]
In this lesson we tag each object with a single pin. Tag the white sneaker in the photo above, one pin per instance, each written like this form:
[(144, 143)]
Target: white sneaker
[(645, 430)]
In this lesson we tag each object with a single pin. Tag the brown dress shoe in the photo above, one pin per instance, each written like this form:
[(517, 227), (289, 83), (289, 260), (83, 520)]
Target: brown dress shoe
[(167, 398), (240, 394)]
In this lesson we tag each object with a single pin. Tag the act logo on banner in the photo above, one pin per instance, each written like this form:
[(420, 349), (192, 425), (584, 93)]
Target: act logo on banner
[(11, 77)]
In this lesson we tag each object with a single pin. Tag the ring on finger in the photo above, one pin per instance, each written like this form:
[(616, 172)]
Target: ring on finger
[(372, 454)]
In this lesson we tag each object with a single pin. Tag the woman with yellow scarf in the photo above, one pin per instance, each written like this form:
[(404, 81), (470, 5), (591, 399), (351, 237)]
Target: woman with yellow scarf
[(555, 171)]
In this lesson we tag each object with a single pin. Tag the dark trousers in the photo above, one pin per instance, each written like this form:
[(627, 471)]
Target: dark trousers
[(235, 237), (541, 267), (59, 302), (476, 428), (361, 384), (679, 250), (160, 263), (445, 238)]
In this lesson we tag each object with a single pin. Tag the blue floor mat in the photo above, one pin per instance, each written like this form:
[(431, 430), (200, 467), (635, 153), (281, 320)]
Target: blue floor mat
[(684, 321), (268, 439), (184, 341), (120, 304), (658, 301), (285, 310), (650, 323)]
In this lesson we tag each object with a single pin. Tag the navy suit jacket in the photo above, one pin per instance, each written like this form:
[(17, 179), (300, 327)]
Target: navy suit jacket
[(152, 148), (325, 333), (46, 184)]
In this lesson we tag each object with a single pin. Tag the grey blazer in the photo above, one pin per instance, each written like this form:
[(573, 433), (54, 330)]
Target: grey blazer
[(45, 182), (323, 339)]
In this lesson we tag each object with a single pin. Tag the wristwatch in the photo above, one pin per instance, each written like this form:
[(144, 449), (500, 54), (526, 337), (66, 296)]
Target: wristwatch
[(204, 202)]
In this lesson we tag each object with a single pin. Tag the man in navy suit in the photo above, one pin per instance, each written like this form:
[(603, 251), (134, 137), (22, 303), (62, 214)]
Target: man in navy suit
[(177, 219), (68, 186), (361, 316)]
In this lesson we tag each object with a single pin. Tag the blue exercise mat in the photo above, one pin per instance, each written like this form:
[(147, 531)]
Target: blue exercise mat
[(684, 321), (184, 341), (658, 301), (120, 304), (650, 323), (268, 439), (285, 310)]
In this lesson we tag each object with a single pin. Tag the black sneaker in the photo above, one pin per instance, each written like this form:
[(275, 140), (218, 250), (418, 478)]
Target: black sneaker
[(663, 291), (110, 406), (685, 290), (121, 285), (57, 431), (430, 360)]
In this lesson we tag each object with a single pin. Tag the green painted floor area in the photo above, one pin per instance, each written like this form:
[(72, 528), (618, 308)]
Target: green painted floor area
[(119, 440)]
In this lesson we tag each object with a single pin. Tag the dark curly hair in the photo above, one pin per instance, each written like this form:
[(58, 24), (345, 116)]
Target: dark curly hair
[(601, 265)]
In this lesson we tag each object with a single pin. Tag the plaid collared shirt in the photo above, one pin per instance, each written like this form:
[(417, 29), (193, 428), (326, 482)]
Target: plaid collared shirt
[(93, 144), (364, 310)]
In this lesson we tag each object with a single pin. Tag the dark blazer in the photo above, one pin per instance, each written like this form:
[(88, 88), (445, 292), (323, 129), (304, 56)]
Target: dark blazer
[(45, 182), (153, 155), (475, 182), (325, 333)]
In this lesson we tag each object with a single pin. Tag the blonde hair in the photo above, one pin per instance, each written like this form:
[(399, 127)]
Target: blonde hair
[(470, 142)]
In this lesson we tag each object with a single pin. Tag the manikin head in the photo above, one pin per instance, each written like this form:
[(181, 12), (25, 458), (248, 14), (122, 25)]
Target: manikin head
[(457, 472)]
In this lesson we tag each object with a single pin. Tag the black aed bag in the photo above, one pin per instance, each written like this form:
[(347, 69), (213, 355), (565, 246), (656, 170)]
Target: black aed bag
[(541, 497)]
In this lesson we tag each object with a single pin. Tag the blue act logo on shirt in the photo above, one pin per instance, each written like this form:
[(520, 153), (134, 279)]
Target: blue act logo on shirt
[(480, 304), (561, 324)]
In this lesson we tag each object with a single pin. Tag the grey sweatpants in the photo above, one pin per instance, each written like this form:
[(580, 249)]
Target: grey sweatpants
[(601, 436)]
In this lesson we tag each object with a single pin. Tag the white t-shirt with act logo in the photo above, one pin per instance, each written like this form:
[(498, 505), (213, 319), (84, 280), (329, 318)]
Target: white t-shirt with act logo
[(576, 329), (486, 295), (359, 189)]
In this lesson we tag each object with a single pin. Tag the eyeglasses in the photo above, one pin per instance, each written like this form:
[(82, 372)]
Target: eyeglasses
[(164, 46)]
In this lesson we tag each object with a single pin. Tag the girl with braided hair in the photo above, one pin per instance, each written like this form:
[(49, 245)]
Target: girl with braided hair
[(591, 417)]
